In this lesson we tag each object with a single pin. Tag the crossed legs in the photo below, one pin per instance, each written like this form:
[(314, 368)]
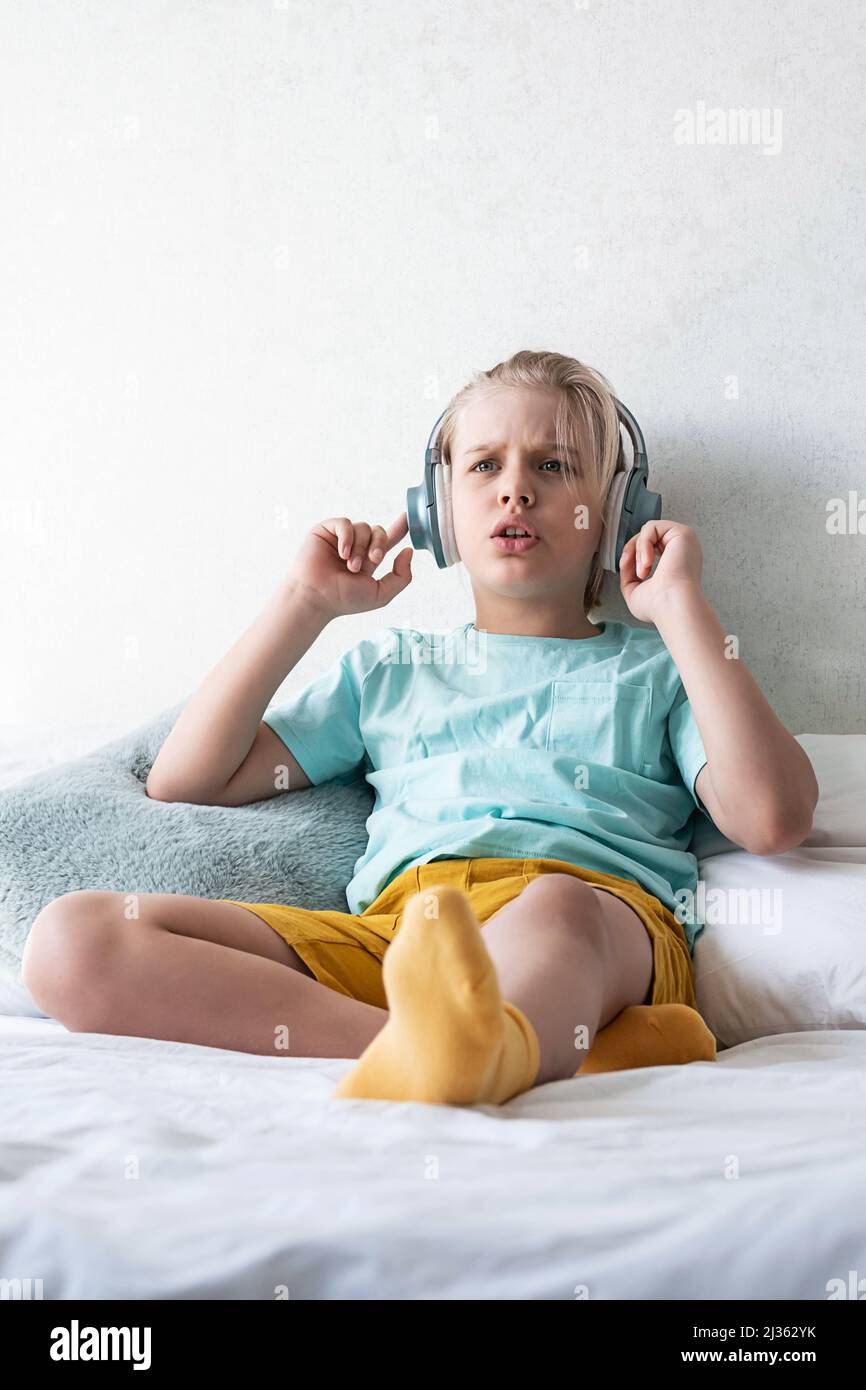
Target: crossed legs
[(194, 970)]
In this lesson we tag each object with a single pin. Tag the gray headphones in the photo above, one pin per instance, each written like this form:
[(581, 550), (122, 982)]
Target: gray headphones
[(629, 503)]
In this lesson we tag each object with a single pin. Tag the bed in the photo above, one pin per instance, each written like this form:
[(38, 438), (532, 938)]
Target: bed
[(143, 1169)]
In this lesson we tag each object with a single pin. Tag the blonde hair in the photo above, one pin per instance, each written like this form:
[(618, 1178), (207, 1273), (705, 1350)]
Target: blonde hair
[(586, 424)]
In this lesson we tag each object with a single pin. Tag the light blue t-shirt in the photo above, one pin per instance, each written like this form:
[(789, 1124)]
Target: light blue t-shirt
[(498, 745)]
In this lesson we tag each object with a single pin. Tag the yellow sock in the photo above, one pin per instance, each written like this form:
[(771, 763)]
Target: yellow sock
[(650, 1035), (450, 1038)]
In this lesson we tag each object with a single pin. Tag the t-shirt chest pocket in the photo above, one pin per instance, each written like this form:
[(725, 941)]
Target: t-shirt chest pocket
[(601, 722)]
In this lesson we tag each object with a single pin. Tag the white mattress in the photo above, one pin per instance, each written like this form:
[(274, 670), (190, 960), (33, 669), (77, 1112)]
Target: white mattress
[(136, 1168), (251, 1177)]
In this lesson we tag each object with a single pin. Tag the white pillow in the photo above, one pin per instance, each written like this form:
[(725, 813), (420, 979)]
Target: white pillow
[(786, 952), (796, 958), (839, 761)]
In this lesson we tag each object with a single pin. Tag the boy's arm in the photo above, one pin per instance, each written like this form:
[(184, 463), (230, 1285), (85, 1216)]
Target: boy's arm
[(219, 752), (256, 779), (758, 784)]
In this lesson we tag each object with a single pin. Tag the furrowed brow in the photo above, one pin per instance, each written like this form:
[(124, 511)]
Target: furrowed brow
[(494, 448)]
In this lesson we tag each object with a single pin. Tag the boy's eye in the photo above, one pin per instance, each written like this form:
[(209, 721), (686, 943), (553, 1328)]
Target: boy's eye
[(544, 465)]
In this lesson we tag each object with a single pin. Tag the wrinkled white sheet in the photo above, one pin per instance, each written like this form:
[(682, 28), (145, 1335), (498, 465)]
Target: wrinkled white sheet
[(135, 1168)]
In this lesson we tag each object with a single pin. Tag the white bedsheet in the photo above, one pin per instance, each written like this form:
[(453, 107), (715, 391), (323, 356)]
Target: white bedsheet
[(250, 1177)]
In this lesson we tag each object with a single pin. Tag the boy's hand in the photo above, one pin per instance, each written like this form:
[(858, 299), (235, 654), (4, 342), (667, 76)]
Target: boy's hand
[(337, 560), (680, 565)]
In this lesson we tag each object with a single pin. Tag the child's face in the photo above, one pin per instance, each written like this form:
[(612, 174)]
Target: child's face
[(518, 473)]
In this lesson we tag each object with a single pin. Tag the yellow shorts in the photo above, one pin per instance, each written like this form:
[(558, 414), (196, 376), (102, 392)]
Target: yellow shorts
[(344, 950)]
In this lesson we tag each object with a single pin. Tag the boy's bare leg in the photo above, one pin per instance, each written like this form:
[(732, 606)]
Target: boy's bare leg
[(571, 957), (195, 970), (186, 970)]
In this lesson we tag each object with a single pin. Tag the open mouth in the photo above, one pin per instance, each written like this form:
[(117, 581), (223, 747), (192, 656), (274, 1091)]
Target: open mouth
[(514, 544)]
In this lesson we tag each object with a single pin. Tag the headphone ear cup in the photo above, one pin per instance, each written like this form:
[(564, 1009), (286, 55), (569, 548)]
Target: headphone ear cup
[(613, 518), (445, 514)]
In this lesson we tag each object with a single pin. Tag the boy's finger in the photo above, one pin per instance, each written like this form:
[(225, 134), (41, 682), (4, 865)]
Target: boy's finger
[(391, 584), (359, 547), (398, 529), (378, 544), (342, 529)]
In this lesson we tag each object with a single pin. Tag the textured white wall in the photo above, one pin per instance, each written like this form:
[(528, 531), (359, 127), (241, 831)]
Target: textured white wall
[(250, 249)]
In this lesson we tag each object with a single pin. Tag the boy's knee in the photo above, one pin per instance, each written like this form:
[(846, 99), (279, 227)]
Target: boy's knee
[(67, 951), (568, 904)]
